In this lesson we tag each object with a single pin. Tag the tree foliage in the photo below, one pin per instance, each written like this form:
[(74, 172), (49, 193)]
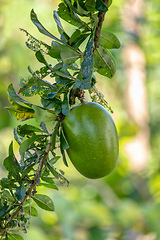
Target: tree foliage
[(72, 75)]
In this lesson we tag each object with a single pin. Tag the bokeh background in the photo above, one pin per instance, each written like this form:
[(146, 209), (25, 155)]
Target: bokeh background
[(126, 204)]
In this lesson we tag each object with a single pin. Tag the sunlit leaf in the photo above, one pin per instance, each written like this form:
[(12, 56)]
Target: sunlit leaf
[(48, 185), (7, 196), (31, 211), (109, 40), (44, 202), (41, 28), (64, 36), (43, 115), (21, 115), (15, 236)]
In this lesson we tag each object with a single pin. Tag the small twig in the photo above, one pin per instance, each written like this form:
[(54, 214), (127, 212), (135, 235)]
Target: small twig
[(101, 16), (30, 189)]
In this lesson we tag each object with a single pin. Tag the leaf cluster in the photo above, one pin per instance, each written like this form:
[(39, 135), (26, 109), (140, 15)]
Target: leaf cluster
[(57, 87)]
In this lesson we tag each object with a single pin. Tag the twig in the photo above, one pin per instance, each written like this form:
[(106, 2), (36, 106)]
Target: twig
[(101, 16)]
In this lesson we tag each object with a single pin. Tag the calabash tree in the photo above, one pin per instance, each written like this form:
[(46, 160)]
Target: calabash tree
[(69, 79)]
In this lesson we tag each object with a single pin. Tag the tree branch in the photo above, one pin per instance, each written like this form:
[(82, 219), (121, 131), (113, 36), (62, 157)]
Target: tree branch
[(30, 189), (101, 16)]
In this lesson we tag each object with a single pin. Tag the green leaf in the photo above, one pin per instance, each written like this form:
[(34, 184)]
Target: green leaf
[(15, 236), (65, 104), (55, 50), (53, 170), (63, 140), (63, 146), (77, 38), (31, 211), (69, 56), (43, 115), (27, 170), (70, 16), (100, 6), (40, 57), (78, 7), (41, 28), (54, 135), (21, 115), (64, 36), (20, 193), (44, 202), (84, 78), (11, 164), (12, 93), (109, 40), (48, 185), (26, 129), (3, 211), (90, 5), (7, 196), (109, 3), (25, 145), (104, 62)]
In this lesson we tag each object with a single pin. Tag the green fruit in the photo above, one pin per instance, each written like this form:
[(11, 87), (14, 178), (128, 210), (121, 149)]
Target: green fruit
[(93, 140)]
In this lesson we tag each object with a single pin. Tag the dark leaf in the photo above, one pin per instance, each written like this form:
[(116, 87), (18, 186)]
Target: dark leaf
[(104, 62), (65, 104), (54, 135), (70, 16), (20, 193), (44, 202), (100, 6), (11, 163), (26, 129), (40, 57), (77, 38), (90, 5), (84, 78), (3, 211)]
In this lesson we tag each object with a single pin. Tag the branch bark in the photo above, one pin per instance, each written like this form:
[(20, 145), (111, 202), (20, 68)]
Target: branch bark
[(101, 17)]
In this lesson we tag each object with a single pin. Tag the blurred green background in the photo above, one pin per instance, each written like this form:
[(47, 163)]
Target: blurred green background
[(126, 204)]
